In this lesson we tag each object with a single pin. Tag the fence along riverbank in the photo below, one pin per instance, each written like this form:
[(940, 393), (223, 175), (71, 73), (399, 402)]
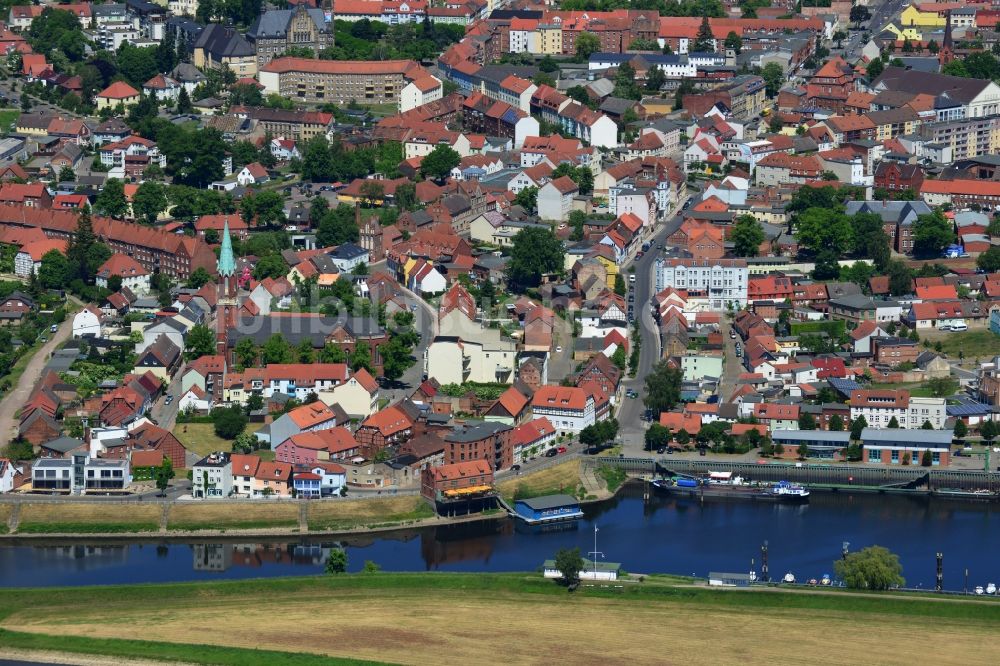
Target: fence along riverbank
[(874, 478)]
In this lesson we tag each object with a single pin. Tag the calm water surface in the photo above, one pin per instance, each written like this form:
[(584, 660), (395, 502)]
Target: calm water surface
[(662, 535)]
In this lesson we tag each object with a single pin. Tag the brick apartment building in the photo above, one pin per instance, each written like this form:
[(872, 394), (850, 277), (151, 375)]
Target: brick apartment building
[(487, 441)]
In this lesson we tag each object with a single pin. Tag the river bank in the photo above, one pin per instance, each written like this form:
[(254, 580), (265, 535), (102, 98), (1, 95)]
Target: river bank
[(24, 519), (448, 619)]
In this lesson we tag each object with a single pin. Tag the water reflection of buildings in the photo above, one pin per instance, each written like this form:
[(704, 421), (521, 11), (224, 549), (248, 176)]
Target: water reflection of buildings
[(81, 557), (223, 556), (463, 542)]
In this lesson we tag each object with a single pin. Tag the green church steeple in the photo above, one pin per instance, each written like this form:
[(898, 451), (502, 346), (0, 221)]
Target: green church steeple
[(227, 262)]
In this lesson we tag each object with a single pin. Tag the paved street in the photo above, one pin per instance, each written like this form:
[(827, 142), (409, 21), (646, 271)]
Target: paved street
[(632, 428), (19, 393)]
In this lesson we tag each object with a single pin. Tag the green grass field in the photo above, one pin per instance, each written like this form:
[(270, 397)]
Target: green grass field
[(7, 116), (200, 438), (454, 619), (970, 343), (87, 518)]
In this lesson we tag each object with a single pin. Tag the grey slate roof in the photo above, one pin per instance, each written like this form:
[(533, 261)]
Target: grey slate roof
[(223, 42), (274, 23)]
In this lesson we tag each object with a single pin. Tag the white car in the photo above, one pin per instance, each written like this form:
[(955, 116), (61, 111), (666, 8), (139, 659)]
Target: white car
[(558, 350)]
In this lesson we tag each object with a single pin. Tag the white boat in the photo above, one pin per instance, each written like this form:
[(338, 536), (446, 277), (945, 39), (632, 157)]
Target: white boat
[(991, 589), (789, 491), (789, 578), (979, 589), (825, 580)]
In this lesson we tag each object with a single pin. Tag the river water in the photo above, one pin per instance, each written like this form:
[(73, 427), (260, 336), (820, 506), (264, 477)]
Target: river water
[(661, 535)]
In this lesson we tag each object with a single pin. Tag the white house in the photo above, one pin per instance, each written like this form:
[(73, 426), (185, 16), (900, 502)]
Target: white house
[(252, 174), (488, 358), (723, 280), (555, 199), (87, 322), (194, 399), (425, 279), (7, 473), (569, 409), (284, 149), (133, 275), (349, 256), (358, 396), (421, 90), (163, 87)]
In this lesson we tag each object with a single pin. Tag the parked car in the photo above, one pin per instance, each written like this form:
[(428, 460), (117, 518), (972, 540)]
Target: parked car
[(561, 449), (53, 328), (661, 450), (551, 453), (515, 468)]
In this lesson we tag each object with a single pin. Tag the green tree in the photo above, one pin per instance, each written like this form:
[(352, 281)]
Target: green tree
[(54, 271), (734, 42), (619, 358), (200, 342), (228, 422), (396, 358), (663, 388), (569, 563), (336, 561), (405, 196), (625, 84), (836, 423), (184, 102), (163, 474), (361, 357), (332, 353), (80, 246), (199, 278), (893, 423), (857, 426), (276, 350), (931, 234), (337, 227), (747, 235), (900, 278), (989, 430), (371, 567), (149, 200), (111, 200), (825, 229), (534, 252), (270, 266), (704, 41), (872, 568), (989, 261), (439, 162), (657, 437), (587, 44), (806, 421), (961, 430), (246, 353), (655, 79), (527, 199), (942, 386), (773, 76), (802, 451)]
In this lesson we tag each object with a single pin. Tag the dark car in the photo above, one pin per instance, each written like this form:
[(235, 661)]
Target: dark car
[(661, 450), (551, 453), (516, 468)]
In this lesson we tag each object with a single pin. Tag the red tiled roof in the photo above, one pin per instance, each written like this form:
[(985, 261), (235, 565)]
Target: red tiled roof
[(118, 90)]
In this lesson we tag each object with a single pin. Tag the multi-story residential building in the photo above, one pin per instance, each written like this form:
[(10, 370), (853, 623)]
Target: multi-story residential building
[(344, 81), (879, 407), (722, 282), (80, 474), (569, 409), (532, 438), (964, 137), (277, 30), (971, 98), (785, 169), (893, 351), (220, 46), (130, 157), (212, 476), (485, 358), (457, 481), (157, 250), (961, 193), (830, 86), (297, 125), (490, 441)]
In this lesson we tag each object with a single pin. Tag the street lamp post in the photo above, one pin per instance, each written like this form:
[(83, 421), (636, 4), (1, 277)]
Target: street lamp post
[(595, 553)]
